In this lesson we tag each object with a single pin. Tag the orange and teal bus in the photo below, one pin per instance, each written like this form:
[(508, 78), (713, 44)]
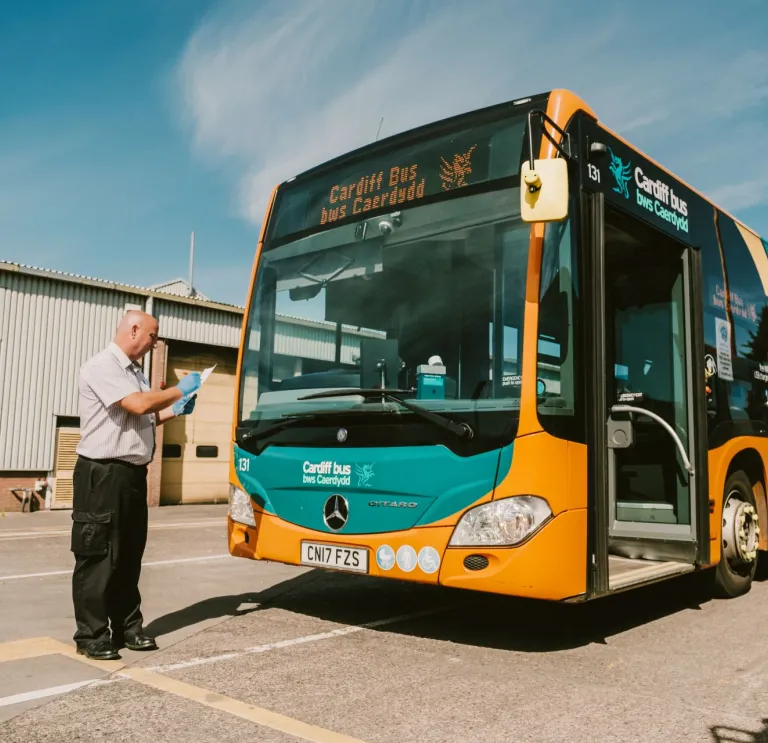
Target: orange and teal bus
[(505, 352)]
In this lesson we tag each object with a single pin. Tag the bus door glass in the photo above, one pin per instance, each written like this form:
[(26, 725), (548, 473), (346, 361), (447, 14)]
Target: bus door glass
[(648, 382)]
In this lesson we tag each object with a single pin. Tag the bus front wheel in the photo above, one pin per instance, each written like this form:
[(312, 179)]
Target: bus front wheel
[(739, 538)]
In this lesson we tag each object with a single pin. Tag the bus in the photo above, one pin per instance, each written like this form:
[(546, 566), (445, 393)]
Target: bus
[(505, 352)]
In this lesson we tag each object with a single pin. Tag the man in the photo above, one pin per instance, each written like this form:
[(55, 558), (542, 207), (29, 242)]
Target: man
[(41, 488), (118, 417)]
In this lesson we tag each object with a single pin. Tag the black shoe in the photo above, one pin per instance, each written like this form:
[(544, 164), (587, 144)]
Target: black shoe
[(103, 650), (139, 642)]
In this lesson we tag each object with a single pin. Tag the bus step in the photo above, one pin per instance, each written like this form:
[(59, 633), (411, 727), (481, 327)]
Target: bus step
[(625, 571)]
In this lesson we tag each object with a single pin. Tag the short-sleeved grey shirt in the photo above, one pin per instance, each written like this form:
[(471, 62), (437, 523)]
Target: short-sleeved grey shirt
[(107, 430)]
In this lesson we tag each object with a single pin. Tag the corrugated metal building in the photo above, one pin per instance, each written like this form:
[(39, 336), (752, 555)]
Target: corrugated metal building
[(52, 322)]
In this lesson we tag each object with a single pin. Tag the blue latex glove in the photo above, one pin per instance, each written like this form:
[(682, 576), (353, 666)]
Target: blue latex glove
[(184, 406), (190, 383)]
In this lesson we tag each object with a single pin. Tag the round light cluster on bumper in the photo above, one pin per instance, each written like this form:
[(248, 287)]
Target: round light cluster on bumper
[(240, 508), (501, 523)]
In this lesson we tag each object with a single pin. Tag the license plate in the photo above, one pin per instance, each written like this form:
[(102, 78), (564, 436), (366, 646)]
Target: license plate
[(334, 556)]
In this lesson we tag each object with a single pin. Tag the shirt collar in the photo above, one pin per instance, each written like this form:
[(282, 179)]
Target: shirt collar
[(125, 362)]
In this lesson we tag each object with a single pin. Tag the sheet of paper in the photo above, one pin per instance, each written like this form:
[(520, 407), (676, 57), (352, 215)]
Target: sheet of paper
[(203, 376), (207, 372)]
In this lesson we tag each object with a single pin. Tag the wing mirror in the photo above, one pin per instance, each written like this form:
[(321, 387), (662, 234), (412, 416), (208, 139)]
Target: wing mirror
[(544, 183), (544, 190)]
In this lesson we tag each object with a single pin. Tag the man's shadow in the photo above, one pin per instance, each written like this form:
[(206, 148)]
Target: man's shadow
[(219, 607), (213, 608)]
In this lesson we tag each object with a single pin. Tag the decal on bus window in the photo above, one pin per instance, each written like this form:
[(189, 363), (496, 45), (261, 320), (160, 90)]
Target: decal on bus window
[(724, 362), (710, 367)]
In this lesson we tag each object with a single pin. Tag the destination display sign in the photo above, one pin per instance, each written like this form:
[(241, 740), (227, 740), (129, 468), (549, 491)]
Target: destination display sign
[(637, 185), (402, 176)]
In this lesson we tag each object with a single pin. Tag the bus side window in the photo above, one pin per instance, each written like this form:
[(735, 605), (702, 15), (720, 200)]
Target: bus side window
[(746, 394)]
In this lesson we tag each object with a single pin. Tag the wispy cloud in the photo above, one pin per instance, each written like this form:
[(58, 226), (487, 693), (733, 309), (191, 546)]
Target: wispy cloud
[(273, 91), (283, 89), (743, 195)]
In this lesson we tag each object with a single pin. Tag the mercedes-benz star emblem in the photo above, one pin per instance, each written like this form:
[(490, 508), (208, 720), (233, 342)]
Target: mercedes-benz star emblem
[(336, 512), (341, 435)]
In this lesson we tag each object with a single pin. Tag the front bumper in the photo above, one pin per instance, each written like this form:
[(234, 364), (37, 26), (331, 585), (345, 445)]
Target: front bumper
[(550, 565)]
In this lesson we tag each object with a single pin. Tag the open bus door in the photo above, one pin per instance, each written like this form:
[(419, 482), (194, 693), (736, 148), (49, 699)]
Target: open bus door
[(647, 438)]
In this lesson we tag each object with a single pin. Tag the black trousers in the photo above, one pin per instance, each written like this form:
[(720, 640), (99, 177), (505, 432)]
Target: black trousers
[(109, 533)]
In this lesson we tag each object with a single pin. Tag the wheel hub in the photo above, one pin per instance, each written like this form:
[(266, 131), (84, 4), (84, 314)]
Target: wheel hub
[(740, 530)]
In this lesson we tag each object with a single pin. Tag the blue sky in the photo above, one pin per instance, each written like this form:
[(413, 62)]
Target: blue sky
[(125, 126)]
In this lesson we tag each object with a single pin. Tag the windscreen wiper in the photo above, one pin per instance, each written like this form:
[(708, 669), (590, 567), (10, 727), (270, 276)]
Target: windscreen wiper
[(460, 429)]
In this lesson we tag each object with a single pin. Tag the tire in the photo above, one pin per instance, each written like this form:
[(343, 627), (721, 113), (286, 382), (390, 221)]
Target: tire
[(738, 558)]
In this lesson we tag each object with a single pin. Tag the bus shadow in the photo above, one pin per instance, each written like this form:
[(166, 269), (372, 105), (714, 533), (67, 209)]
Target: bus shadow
[(453, 615), (487, 620)]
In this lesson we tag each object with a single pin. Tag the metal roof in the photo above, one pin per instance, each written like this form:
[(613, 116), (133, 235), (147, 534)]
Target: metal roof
[(179, 287), (21, 268)]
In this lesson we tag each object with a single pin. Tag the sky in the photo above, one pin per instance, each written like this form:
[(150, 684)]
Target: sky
[(126, 126)]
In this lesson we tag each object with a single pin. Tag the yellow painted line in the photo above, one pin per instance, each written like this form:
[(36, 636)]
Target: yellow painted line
[(36, 647), (40, 646), (70, 651), (23, 649), (258, 715)]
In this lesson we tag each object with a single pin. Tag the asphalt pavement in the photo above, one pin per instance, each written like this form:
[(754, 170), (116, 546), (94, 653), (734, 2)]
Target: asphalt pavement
[(268, 652)]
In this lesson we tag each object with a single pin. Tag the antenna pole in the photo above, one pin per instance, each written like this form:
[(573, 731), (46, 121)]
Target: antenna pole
[(191, 263), (379, 132)]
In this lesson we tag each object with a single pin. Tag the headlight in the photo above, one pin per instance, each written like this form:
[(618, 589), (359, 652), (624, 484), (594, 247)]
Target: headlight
[(502, 522), (240, 508)]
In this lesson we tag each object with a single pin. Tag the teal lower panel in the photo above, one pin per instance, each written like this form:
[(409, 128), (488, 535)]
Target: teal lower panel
[(386, 489)]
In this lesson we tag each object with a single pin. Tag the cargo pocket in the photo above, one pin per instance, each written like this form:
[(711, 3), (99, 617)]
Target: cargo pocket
[(90, 533)]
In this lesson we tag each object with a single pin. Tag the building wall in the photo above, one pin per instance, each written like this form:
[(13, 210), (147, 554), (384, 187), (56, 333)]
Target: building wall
[(48, 329), (198, 324), (189, 475)]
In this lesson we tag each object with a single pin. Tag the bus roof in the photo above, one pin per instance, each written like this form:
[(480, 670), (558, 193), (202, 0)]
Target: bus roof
[(560, 96), (539, 101), (561, 104)]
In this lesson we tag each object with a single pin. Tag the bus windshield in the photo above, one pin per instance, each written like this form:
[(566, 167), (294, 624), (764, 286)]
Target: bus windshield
[(427, 301)]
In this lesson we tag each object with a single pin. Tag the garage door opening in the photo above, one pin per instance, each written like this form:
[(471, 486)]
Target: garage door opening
[(196, 448)]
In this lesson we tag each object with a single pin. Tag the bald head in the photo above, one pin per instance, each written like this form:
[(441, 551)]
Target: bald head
[(136, 334)]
